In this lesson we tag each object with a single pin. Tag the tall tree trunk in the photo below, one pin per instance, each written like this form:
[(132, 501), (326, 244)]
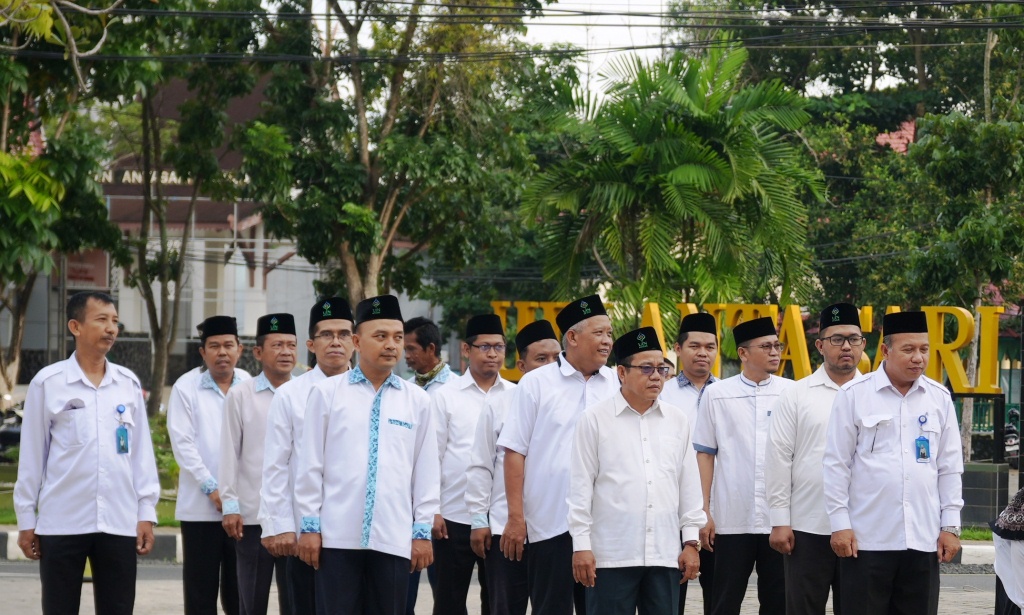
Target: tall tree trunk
[(10, 358), (990, 44)]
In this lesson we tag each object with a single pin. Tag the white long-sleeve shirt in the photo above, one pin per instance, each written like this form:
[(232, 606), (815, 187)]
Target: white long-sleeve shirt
[(540, 425), (874, 483), (71, 479), (485, 477), (195, 413), (796, 446), (634, 485), (457, 407), (368, 474), (243, 441), (278, 514), (732, 424)]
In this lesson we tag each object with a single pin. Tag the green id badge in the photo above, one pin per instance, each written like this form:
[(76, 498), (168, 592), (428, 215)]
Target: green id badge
[(122, 440)]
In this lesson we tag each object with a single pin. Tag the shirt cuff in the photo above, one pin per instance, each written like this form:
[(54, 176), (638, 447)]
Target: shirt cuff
[(282, 526), (581, 543), (700, 448), (779, 517), (950, 518), (209, 486), (840, 520), (147, 512), (691, 532), (26, 520), (230, 507), (479, 522), (421, 531), (310, 525)]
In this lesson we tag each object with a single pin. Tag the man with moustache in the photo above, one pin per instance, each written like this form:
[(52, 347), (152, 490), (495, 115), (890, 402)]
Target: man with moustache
[(423, 354), (457, 407), (892, 473), (796, 446), (368, 479), (538, 440), (243, 441), (730, 439), (507, 588), (330, 341), (634, 489), (195, 414)]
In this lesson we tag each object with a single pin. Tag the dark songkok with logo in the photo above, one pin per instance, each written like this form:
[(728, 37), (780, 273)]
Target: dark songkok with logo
[(637, 340), (579, 310), (753, 329), (484, 324), (700, 322), (383, 307), (275, 323), (838, 314), (534, 332), (217, 325), (331, 308), (904, 322)]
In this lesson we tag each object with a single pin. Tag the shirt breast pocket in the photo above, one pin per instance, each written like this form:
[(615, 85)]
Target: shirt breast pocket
[(879, 433), (70, 425), (670, 448)]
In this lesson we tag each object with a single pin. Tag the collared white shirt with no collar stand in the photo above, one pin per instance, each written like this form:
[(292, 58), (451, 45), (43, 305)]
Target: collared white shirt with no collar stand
[(457, 407), (732, 425), (243, 440), (796, 446), (195, 414), (540, 424), (634, 484), (874, 483), (71, 479), (682, 393), (368, 475), (278, 514), (485, 477)]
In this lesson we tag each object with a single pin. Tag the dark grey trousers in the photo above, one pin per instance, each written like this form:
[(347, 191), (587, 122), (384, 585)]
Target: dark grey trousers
[(811, 570), (255, 567), (636, 589), (890, 583), (508, 586)]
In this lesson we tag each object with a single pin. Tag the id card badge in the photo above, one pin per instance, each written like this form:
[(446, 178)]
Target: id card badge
[(923, 448), (122, 440)]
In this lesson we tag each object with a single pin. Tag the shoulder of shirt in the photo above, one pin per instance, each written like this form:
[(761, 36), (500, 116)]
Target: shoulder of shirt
[(858, 381), (188, 379), (241, 388), (926, 381), (124, 371), (49, 371), (242, 375), (544, 371)]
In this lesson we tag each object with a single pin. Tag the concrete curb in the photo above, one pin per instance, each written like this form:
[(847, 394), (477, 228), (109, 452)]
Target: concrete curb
[(166, 548)]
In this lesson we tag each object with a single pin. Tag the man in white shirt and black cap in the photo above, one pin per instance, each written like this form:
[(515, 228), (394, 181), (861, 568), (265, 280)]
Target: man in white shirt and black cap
[(731, 438), (507, 588), (457, 407), (195, 414), (330, 341), (243, 441), (892, 475), (537, 439), (634, 488), (87, 482), (796, 446), (368, 479)]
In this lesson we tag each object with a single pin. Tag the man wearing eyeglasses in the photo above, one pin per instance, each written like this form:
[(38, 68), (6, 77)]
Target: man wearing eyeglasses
[(731, 438), (634, 487), (330, 341), (457, 406), (796, 446)]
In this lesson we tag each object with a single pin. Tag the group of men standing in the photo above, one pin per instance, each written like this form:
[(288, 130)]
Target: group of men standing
[(583, 488)]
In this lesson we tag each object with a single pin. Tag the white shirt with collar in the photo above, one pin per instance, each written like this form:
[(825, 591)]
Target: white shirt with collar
[(71, 479), (457, 407), (368, 475), (485, 477), (540, 424), (195, 413), (634, 485), (796, 446), (682, 393), (243, 441), (732, 425), (874, 483)]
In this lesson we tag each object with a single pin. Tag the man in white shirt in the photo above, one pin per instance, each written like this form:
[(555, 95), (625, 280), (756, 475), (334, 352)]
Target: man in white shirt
[(195, 414), (730, 438), (696, 349), (87, 482), (243, 441), (892, 473), (508, 591), (457, 406), (367, 485), (634, 488), (1008, 538), (537, 439), (330, 341), (796, 446)]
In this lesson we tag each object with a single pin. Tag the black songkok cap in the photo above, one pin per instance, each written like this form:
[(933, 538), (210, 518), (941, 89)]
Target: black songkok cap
[(838, 314), (484, 324), (753, 329), (904, 322), (383, 307), (534, 332), (217, 325), (275, 323), (700, 322), (579, 310), (637, 340), (331, 308)]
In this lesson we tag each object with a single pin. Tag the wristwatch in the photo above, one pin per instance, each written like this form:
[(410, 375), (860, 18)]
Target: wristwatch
[(952, 529), (692, 543)]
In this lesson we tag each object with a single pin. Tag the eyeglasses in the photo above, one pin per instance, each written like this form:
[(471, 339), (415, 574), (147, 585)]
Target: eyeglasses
[(647, 370), (777, 347), (486, 348), (839, 340), (327, 336)]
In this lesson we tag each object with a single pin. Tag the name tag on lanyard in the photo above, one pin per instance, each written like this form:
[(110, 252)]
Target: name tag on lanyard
[(922, 446), (121, 433)]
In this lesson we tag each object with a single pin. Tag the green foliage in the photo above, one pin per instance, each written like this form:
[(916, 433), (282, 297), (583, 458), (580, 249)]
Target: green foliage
[(166, 466)]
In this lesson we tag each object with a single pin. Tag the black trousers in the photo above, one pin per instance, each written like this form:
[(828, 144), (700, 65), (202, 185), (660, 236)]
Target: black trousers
[(62, 565), (414, 588), (255, 572), (508, 586), (736, 556), (890, 582), (706, 578), (811, 570), (1004, 606), (637, 589), (209, 567), (553, 590), (453, 566), (300, 586), (361, 582), (284, 594)]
